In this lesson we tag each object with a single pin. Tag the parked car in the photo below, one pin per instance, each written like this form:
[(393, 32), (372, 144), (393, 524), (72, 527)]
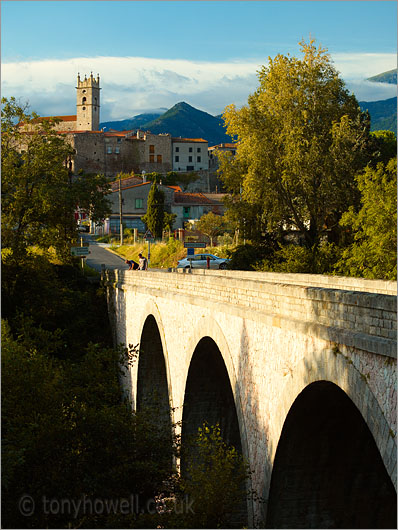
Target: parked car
[(199, 261)]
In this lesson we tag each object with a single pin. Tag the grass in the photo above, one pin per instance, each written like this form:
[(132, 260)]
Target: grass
[(163, 254)]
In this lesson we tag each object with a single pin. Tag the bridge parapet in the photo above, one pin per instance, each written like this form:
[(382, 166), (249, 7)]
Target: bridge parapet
[(364, 320)]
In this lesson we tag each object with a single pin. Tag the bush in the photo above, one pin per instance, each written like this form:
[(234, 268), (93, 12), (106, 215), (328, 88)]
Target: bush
[(298, 259)]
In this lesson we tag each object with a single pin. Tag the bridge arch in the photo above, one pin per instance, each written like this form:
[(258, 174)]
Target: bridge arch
[(153, 372), (320, 386), (209, 327), (212, 391)]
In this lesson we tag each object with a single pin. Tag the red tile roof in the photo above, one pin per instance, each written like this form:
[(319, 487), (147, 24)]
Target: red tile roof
[(189, 140), (229, 146), (62, 118), (191, 198)]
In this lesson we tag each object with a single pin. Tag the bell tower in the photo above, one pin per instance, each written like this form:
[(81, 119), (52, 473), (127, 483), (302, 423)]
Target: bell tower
[(88, 103)]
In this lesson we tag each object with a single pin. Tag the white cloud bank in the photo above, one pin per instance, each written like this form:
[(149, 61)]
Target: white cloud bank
[(132, 85)]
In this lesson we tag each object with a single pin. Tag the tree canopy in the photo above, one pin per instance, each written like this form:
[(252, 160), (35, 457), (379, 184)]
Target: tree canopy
[(154, 217), (301, 139), (39, 193), (373, 253), (211, 225)]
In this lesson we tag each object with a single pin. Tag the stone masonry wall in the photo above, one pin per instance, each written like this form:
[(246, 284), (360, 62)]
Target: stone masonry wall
[(275, 340)]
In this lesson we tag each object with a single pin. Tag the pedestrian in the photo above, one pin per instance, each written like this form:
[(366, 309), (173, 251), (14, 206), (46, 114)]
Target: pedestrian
[(142, 263), (133, 265)]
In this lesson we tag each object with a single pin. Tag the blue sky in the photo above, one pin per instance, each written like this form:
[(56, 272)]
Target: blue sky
[(152, 55)]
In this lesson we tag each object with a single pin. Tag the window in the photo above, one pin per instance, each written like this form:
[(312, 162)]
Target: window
[(198, 150), (177, 149), (198, 159), (84, 108), (159, 159), (109, 150), (139, 203), (190, 159), (152, 158), (190, 168), (151, 148), (84, 100), (117, 150), (190, 149), (177, 158), (119, 140), (186, 211)]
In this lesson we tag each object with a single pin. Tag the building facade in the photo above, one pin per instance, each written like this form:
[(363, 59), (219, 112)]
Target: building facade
[(190, 154)]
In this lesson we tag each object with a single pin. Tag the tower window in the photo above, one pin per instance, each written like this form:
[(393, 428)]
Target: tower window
[(84, 101), (84, 108)]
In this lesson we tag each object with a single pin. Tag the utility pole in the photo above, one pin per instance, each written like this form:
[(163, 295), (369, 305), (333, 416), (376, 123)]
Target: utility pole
[(120, 209)]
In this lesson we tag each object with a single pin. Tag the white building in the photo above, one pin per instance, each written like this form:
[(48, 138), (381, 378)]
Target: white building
[(190, 154)]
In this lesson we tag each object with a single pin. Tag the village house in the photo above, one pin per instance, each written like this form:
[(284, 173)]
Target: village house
[(188, 207)]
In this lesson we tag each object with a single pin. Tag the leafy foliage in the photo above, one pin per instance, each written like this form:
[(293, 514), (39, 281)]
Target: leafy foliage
[(211, 225), (215, 480), (301, 139), (39, 194), (373, 253), (154, 217)]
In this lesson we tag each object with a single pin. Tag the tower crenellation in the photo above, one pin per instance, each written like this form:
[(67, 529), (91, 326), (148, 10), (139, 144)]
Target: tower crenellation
[(88, 103)]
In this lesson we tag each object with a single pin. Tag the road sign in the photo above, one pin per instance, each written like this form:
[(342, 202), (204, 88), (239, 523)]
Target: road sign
[(194, 244), (190, 252), (79, 251), (148, 235)]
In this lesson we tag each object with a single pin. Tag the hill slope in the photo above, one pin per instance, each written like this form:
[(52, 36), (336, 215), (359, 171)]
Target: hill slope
[(186, 121), (386, 77), (383, 114), (181, 120), (135, 122)]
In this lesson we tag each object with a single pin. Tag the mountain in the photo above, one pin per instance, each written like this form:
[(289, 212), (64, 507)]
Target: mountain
[(383, 114), (135, 122), (181, 120), (188, 122), (386, 77)]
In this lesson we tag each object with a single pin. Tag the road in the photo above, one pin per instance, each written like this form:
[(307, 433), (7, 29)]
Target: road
[(100, 255)]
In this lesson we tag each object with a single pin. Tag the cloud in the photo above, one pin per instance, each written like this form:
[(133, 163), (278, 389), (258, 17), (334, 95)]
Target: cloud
[(132, 85)]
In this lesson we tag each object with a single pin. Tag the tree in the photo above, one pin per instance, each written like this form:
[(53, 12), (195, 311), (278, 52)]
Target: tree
[(301, 140), (168, 221), (39, 194), (373, 253), (155, 211), (211, 225)]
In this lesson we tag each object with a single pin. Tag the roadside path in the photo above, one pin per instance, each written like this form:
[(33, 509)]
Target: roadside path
[(100, 255)]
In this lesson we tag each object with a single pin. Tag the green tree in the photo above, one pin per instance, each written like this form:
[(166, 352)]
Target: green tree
[(215, 479), (39, 194), (301, 140), (373, 253), (154, 216), (168, 221), (211, 225), (385, 145)]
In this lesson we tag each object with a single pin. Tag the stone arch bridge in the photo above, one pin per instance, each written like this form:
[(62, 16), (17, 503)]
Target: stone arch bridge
[(299, 370)]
